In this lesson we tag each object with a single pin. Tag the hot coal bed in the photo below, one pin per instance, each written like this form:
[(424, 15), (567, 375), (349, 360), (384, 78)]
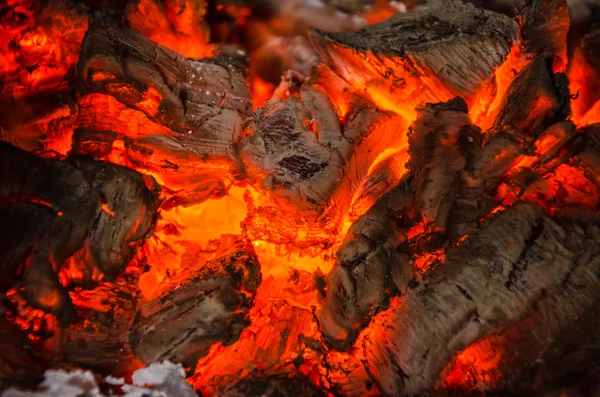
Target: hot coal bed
[(299, 198)]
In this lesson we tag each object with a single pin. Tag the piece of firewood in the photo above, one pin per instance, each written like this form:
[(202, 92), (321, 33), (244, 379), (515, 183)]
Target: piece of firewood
[(85, 217), (98, 339), (200, 101), (56, 236), (556, 341), (199, 310), (440, 50), (493, 280), (440, 140), (298, 149), (129, 208), (544, 27), (536, 99)]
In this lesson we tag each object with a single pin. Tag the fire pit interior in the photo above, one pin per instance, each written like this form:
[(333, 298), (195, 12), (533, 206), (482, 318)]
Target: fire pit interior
[(299, 198)]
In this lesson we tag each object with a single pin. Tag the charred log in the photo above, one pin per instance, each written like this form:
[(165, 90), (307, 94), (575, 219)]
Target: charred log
[(370, 267), (426, 53), (127, 219), (545, 26), (19, 361), (201, 102), (297, 148), (67, 207), (485, 284), (208, 308), (536, 99), (441, 140), (98, 339)]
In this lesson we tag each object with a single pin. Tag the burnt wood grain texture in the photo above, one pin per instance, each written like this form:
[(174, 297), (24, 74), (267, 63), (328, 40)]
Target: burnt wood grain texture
[(207, 307), (441, 49), (80, 210)]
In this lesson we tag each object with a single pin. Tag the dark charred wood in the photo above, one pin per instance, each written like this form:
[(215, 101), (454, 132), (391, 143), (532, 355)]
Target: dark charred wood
[(440, 141), (544, 26), (92, 142), (91, 213), (536, 99), (75, 206), (432, 47), (281, 386), (204, 309), (127, 219), (20, 364), (370, 267), (98, 339), (485, 284), (200, 101)]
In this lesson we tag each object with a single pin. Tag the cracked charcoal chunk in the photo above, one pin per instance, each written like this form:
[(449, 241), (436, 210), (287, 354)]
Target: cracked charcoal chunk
[(370, 266), (313, 162), (442, 49), (98, 339), (127, 221), (199, 102), (62, 203), (536, 99), (51, 239), (206, 308), (530, 254), (440, 142), (302, 166), (545, 25)]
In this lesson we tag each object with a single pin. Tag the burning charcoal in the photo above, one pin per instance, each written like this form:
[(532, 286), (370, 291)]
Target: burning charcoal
[(369, 266), (440, 141), (98, 339), (442, 49), (198, 311), (553, 341), (200, 102), (93, 213), (536, 99), (127, 218), (295, 148), (95, 143), (19, 362), (40, 43), (74, 204), (177, 25), (493, 280), (545, 25)]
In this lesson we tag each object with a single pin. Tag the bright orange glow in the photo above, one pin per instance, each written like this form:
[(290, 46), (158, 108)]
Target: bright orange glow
[(261, 92), (486, 103), (476, 366), (584, 86), (177, 25), (106, 209)]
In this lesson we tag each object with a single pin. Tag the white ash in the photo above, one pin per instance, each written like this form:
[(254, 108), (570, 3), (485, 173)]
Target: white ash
[(157, 380)]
